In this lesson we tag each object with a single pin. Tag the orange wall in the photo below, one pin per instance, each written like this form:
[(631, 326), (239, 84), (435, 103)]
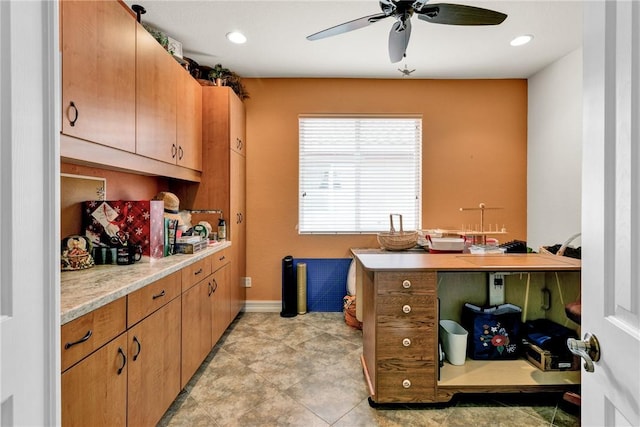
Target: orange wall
[(474, 150)]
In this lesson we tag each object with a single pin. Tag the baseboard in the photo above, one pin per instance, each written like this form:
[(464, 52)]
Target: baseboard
[(262, 306)]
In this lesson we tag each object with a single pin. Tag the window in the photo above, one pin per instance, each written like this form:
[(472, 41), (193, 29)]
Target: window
[(355, 171)]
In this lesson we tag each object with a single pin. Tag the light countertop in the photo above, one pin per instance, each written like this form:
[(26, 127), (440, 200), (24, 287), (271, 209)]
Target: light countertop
[(86, 290), (381, 260)]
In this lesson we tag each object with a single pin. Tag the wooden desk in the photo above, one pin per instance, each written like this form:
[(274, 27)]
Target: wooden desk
[(398, 293)]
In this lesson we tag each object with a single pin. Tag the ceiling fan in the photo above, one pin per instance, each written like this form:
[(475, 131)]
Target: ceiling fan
[(403, 10)]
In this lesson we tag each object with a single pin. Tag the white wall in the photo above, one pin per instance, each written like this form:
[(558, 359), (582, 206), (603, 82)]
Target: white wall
[(555, 152)]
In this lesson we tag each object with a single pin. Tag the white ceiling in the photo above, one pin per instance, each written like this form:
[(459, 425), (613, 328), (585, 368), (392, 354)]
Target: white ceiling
[(277, 44)]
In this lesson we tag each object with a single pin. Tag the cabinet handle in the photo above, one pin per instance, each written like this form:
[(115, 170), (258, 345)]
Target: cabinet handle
[(174, 151), (406, 309), (135, 340), (160, 295), (81, 340), (406, 383), (221, 258), (210, 289), (75, 109), (124, 360), (216, 283), (180, 153), (197, 272), (406, 342), (406, 284)]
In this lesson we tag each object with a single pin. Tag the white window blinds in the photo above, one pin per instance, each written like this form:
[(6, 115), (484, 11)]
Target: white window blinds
[(354, 172)]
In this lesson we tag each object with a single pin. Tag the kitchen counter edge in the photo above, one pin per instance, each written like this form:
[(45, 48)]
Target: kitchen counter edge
[(86, 290)]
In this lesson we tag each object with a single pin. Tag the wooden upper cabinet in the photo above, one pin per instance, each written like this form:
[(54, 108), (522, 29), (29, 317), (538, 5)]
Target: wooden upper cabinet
[(189, 126), (156, 92), (98, 40), (237, 124)]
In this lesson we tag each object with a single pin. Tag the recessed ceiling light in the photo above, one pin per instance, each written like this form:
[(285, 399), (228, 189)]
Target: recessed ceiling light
[(236, 37), (520, 40)]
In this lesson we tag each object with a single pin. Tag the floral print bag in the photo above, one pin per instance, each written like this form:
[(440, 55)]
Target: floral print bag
[(494, 332)]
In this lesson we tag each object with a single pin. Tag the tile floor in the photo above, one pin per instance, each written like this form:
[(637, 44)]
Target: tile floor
[(305, 371)]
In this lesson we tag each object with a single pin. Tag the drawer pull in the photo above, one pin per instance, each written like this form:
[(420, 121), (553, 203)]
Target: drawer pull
[(135, 340), (221, 258), (406, 284), (160, 295), (81, 340), (406, 383), (406, 309), (197, 271), (406, 342), (124, 360)]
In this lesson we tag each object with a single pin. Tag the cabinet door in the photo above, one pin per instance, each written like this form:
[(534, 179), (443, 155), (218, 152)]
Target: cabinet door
[(94, 392), (238, 232), (196, 327), (154, 365), (220, 302), (98, 73), (189, 122), (156, 74), (236, 124)]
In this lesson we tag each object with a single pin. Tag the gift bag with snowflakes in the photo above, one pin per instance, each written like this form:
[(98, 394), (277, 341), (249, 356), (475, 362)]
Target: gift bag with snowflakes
[(494, 332), (113, 223)]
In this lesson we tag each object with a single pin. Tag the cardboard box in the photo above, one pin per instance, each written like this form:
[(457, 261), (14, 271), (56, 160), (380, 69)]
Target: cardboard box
[(546, 361), (141, 222)]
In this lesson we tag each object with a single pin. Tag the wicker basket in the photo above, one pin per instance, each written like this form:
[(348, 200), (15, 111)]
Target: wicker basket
[(563, 248), (397, 240)]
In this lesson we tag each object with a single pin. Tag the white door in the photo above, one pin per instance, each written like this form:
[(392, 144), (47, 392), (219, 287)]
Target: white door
[(611, 211), (29, 218)]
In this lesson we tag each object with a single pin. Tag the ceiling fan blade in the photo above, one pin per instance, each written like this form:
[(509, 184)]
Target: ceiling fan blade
[(457, 14), (347, 26), (399, 40)]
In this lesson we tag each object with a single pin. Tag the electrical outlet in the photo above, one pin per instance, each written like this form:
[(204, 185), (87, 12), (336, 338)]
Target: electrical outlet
[(496, 288), (247, 282)]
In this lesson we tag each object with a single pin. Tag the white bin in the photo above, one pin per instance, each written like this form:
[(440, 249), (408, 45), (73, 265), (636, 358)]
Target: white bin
[(454, 341)]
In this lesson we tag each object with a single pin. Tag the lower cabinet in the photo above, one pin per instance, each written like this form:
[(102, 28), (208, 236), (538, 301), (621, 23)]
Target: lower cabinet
[(205, 315), (125, 363), (196, 327), (94, 391), (153, 365)]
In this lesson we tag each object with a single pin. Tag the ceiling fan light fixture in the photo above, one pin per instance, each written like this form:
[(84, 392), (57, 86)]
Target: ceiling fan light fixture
[(521, 40), (236, 37)]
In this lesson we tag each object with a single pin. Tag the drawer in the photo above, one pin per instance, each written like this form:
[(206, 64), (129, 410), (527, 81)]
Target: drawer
[(402, 382), (406, 311), (410, 282), (409, 344), (87, 333), (219, 259), (195, 272), (145, 301)]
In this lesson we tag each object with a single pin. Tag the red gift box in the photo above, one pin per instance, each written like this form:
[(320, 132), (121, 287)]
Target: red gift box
[(140, 222)]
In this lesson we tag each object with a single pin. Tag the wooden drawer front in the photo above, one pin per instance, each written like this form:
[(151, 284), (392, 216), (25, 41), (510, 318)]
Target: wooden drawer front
[(422, 312), (145, 301), (411, 282), (411, 344), (401, 381), (219, 259), (195, 272), (87, 333)]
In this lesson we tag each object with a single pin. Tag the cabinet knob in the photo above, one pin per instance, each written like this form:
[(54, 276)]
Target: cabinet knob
[(73, 121), (406, 284), (406, 342), (406, 309), (406, 383)]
